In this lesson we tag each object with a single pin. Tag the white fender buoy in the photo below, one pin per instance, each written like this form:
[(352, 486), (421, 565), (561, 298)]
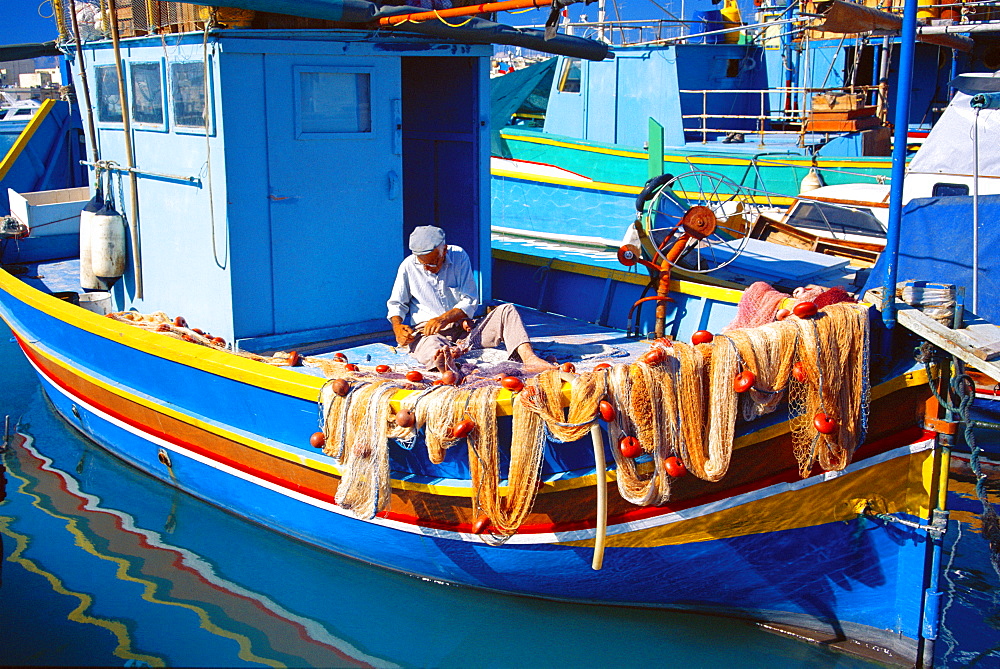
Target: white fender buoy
[(87, 278), (107, 243), (811, 181)]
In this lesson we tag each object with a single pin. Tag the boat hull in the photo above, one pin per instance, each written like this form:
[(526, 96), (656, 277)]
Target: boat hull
[(767, 546)]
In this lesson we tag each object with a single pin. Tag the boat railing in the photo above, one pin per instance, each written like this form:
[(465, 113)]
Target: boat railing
[(789, 117)]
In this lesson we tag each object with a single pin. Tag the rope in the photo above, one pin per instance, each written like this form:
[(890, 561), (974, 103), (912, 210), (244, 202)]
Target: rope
[(452, 25), (964, 387)]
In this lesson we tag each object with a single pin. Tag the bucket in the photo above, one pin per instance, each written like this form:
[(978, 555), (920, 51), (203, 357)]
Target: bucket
[(99, 302), (706, 22)]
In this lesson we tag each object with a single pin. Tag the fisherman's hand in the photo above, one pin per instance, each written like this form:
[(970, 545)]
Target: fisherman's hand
[(403, 332), (434, 325)]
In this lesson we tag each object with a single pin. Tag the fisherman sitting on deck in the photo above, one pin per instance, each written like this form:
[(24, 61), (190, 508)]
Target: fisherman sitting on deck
[(435, 288)]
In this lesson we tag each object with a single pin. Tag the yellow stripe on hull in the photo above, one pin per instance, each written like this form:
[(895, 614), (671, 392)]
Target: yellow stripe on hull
[(699, 158), (903, 484)]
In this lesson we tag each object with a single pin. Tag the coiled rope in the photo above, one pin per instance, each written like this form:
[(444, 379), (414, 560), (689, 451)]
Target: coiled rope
[(964, 388)]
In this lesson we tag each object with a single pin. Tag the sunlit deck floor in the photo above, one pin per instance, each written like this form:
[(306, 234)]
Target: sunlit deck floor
[(556, 338)]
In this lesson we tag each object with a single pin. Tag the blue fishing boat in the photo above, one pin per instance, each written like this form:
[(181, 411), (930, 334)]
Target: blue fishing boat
[(226, 332), (798, 99)]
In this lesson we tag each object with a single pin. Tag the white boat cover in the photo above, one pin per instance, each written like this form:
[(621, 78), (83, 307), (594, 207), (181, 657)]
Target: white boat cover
[(948, 147)]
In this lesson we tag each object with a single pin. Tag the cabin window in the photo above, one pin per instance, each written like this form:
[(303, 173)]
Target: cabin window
[(187, 94), (147, 93), (569, 79), (109, 104), (835, 219), (333, 102), (949, 190)]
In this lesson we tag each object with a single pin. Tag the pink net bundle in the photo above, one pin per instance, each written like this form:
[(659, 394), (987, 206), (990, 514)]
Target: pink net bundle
[(757, 306), (760, 302)]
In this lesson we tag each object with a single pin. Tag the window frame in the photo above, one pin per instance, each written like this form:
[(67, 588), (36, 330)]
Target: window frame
[(210, 102), (373, 113), (103, 123), (941, 185), (567, 67), (164, 101)]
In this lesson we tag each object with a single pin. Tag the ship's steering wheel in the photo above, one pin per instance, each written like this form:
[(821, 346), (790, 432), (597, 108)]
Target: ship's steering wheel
[(703, 217)]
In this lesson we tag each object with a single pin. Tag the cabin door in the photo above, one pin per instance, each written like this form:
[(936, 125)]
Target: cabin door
[(334, 170)]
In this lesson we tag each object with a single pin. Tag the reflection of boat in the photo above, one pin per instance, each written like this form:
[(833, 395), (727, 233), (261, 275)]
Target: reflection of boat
[(787, 515), (91, 545)]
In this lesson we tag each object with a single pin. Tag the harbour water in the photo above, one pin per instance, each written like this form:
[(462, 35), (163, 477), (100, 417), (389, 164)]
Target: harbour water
[(105, 566)]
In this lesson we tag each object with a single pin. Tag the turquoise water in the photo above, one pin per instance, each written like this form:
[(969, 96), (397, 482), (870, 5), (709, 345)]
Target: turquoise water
[(105, 566)]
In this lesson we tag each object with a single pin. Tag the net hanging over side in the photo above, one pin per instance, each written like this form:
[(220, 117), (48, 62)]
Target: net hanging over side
[(684, 405)]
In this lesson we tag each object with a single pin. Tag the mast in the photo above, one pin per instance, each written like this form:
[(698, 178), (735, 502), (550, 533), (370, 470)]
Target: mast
[(907, 39)]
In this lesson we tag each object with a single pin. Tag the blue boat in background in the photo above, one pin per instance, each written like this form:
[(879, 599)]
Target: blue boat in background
[(801, 98), (255, 182)]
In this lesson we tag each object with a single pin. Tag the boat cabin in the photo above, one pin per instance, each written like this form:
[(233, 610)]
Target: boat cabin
[(278, 173)]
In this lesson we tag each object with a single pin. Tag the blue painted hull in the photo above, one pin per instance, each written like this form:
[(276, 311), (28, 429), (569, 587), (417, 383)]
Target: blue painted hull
[(854, 577)]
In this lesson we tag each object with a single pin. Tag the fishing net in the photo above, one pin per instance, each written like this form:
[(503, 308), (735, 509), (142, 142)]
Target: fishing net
[(507, 512), (177, 328), (361, 447), (684, 404)]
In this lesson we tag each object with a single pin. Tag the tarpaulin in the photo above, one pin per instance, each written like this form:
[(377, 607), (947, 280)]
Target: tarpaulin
[(935, 244)]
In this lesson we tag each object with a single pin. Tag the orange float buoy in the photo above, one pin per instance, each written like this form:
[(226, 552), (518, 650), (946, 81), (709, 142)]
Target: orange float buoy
[(799, 372), (601, 366), (317, 440), (482, 522), (163, 327), (405, 418), (744, 381), (294, 360), (702, 337), (607, 410), (824, 424), (674, 466), (340, 357), (462, 429), (340, 386), (652, 357), (180, 322), (414, 375), (382, 369), (351, 367), (449, 378), (567, 367), (805, 309), (630, 447), (512, 383)]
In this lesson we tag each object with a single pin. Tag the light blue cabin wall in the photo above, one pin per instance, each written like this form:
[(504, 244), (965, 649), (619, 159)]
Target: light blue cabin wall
[(647, 87), (600, 111), (566, 110), (181, 274), (308, 223), (242, 80)]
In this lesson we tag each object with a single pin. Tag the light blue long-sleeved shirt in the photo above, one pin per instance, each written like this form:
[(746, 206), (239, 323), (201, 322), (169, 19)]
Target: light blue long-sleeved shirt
[(422, 295)]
